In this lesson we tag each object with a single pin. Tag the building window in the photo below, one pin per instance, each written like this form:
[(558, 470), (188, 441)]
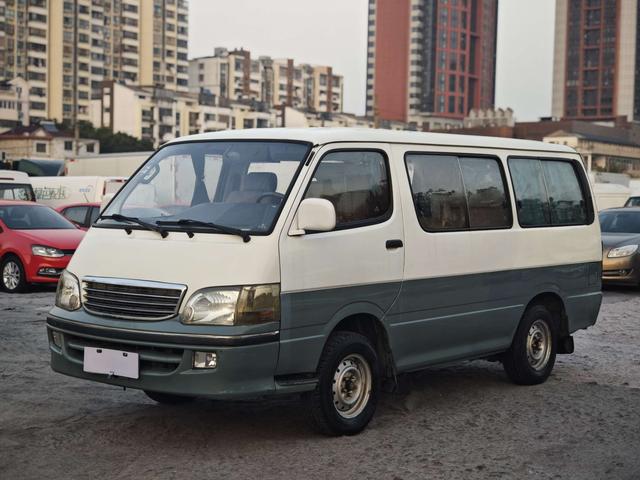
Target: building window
[(68, 145), (41, 147)]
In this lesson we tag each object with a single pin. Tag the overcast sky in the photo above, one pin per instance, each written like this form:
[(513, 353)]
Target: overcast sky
[(334, 32)]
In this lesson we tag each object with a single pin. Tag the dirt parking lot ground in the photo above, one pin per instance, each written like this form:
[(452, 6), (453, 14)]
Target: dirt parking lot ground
[(459, 422)]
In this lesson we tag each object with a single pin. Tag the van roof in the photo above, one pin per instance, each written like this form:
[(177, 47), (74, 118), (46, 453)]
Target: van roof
[(320, 136), (13, 176)]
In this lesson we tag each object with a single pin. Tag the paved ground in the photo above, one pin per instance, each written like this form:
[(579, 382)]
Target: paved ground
[(457, 422)]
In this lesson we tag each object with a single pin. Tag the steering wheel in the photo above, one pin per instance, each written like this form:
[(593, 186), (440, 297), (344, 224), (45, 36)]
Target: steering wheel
[(278, 196)]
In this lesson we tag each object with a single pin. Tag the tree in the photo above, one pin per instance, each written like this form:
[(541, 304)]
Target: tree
[(111, 142)]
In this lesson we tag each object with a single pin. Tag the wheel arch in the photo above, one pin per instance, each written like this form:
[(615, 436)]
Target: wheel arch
[(14, 253), (553, 301), (366, 319)]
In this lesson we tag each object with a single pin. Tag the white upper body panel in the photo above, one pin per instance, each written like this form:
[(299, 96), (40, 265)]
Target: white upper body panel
[(222, 260)]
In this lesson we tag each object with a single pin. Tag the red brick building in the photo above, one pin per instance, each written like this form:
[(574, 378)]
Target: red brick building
[(430, 61)]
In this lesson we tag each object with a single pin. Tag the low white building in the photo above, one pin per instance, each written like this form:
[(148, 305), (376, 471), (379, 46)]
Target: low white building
[(44, 142)]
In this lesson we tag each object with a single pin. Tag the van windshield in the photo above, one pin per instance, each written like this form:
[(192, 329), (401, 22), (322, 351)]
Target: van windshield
[(237, 184)]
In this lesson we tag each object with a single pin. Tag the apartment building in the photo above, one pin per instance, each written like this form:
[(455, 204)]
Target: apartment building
[(67, 48), (14, 103), (429, 62), (24, 37), (161, 115), (596, 75), (164, 31), (235, 76)]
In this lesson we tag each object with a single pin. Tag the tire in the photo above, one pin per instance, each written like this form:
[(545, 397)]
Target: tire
[(348, 360), (530, 359), (12, 276), (168, 398)]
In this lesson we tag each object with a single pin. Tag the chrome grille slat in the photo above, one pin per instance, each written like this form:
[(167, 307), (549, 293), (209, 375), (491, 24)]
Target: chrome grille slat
[(111, 298), (126, 308), (123, 292), (131, 299)]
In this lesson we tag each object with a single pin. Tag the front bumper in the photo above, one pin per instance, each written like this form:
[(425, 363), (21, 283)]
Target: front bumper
[(246, 365), (622, 271), (45, 269)]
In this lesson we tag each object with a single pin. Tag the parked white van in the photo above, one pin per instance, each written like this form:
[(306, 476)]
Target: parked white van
[(59, 191), (327, 262), (16, 185)]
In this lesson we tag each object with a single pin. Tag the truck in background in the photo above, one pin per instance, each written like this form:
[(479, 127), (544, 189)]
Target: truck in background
[(59, 191), (106, 164), (611, 190)]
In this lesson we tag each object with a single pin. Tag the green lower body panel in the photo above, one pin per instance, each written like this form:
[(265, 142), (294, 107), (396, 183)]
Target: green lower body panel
[(242, 371)]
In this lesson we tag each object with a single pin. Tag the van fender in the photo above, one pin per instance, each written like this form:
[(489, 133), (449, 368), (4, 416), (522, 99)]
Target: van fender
[(302, 355), (356, 308)]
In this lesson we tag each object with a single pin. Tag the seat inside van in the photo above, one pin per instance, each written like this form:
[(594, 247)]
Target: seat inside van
[(254, 185)]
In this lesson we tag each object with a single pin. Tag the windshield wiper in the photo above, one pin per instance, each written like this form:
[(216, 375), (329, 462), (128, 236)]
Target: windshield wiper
[(147, 226), (184, 222)]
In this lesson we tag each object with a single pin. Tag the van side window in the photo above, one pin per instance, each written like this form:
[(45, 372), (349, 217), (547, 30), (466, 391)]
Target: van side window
[(531, 195), (458, 193), (357, 184), (486, 197), (565, 195), (548, 193)]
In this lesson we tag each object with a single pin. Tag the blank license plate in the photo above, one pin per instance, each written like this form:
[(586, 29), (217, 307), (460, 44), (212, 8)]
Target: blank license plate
[(111, 362)]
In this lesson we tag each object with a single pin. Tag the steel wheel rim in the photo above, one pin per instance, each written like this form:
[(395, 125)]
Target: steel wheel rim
[(351, 387), (539, 345), (11, 275)]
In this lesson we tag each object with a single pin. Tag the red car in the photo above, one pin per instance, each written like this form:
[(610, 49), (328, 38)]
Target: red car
[(36, 244), (81, 214)]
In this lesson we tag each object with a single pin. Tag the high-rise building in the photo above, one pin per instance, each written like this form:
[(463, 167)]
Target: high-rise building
[(430, 62), (596, 74), (65, 49), (234, 75)]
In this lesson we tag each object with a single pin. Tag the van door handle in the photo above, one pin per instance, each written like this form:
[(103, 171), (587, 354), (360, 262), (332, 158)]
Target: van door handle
[(393, 244)]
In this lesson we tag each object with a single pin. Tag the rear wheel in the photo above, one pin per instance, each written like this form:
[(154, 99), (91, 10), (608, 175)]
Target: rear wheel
[(346, 396), (168, 398), (12, 275), (532, 355)]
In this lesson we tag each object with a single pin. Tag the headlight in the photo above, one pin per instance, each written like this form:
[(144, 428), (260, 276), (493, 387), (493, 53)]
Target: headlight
[(233, 306), (42, 251), (68, 293), (622, 251)]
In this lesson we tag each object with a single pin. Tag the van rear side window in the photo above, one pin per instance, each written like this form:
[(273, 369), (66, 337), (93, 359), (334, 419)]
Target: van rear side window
[(458, 193), (548, 193)]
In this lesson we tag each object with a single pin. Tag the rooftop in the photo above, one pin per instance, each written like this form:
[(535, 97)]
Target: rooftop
[(321, 136)]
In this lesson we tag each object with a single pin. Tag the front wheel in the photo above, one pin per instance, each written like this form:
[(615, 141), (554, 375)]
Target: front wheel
[(532, 355), (13, 277), (346, 396)]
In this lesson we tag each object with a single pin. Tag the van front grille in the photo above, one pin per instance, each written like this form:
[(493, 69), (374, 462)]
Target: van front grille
[(131, 299)]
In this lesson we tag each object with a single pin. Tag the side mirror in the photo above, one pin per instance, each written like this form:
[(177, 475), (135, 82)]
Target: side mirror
[(106, 198), (315, 215)]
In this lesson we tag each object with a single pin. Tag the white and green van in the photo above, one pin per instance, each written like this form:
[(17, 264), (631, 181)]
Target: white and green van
[(327, 262)]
